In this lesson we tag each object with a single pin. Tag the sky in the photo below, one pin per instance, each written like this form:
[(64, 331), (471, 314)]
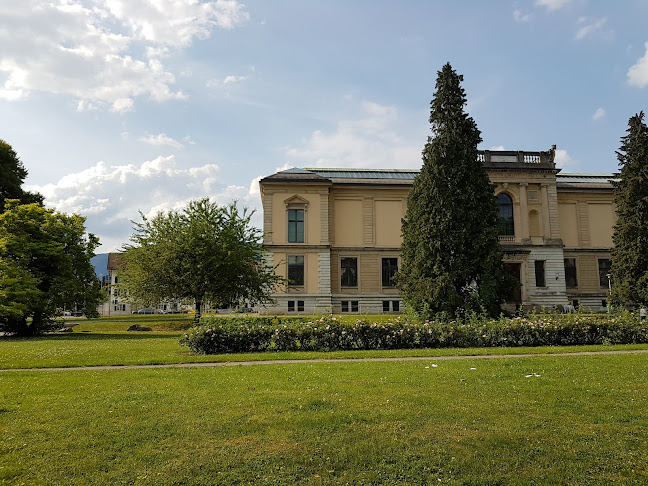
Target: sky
[(117, 107)]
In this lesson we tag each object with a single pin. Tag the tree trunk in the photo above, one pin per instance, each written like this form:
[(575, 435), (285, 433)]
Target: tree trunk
[(198, 311)]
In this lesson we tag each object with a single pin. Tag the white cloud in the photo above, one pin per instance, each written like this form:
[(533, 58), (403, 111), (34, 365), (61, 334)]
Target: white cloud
[(161, 140), (110, 196), (591, 28), (598, 114), (497, 147), (234, 79), (564, 161), (254, 185), (373, 140), (105, 53), (518, 16), (553, 4), (638, 73)]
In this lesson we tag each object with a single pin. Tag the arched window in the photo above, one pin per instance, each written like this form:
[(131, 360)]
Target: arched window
[(505, 215)]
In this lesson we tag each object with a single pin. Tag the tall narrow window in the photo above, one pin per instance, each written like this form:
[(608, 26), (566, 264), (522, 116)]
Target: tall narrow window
[(540, 273), (389, 269), (296, 270), (505, 215), (295, 225), (604, 266), (349, 272), (570, 273)]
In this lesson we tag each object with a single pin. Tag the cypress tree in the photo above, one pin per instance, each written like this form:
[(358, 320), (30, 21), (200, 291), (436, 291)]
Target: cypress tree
[(451, 258), (630, 254)]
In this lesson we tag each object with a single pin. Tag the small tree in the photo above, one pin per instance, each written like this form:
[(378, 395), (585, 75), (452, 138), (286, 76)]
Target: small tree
[(204, 253), (12, 175), (630, 253), (451, 259), (44, 268)]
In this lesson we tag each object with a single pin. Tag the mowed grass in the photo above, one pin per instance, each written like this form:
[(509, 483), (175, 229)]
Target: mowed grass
[(569, 419)]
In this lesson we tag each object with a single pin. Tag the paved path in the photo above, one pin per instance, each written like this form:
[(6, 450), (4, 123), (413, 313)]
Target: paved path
[(326, 360)]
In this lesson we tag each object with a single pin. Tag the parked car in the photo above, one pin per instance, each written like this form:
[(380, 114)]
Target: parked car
[(146, 311)]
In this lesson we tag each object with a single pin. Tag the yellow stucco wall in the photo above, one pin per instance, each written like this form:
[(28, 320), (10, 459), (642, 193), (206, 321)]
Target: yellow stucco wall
[(601, 222), (388, 215), (348, 222), (568, 224), (280, 217)]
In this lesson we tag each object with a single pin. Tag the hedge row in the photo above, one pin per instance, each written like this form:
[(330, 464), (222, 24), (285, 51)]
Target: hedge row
[(249, 334)]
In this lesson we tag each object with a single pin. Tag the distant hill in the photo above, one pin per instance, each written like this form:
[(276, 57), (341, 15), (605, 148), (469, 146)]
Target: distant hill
[(100, 263)]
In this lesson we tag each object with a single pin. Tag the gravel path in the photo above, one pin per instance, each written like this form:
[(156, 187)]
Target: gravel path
[(324, 360)]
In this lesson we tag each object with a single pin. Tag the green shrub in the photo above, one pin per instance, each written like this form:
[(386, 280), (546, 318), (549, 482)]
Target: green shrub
[(328, 333)]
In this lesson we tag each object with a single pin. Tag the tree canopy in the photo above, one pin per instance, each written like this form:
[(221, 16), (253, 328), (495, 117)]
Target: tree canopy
[(12, 176), (44, 268), (451, 258), (630, 253), (204, 253)]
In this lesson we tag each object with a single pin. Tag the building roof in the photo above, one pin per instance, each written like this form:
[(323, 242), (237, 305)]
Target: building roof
[(115, 261)]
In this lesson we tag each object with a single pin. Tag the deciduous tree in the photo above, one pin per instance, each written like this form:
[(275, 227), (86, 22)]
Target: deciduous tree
[(204, 253), (12, 176), (44, 268), (451, 259), (630, 254)]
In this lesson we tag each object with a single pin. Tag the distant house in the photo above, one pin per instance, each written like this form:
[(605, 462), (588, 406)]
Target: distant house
[(335, 234), (115, 305)]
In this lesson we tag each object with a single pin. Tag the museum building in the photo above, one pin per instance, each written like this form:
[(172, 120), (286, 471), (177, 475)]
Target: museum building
[(335, 234)]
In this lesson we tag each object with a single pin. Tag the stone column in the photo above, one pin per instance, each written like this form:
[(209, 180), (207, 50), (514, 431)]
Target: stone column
[(546, 228), (524, 211)]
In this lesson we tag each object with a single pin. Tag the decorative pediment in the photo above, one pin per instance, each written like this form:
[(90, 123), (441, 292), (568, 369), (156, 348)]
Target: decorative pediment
[(296, 202)]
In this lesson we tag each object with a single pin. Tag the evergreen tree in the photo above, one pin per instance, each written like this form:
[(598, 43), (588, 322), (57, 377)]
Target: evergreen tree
[(12, 176), (451, 259), (630, 254)]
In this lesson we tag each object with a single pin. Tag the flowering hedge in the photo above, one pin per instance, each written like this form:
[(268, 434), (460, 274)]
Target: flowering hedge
[(248, 334)]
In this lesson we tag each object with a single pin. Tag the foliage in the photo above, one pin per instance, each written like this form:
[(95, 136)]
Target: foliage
[(329, 333), (44, 268), (630, 253), (204, 253), (12, 175), (451, 259)]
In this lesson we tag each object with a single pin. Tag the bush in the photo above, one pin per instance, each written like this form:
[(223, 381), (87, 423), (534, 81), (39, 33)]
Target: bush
[(328, 333)]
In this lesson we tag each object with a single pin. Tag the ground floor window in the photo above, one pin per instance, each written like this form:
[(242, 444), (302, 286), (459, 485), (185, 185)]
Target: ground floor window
[(604, 267), (540, 273), (570, 273), (291, 306), (391, 306), (296, 270), (350, 306), (349, 272), (389, 269)]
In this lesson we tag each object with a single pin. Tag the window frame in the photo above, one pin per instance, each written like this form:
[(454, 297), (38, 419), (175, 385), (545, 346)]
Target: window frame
[(352, 280), (505, 227), (604, 284), (294, 235), (575, 271), (390, 280), (540, 273), (303, 270)]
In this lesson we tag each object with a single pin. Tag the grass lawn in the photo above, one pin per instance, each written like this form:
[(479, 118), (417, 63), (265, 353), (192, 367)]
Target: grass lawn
[(516, 421)]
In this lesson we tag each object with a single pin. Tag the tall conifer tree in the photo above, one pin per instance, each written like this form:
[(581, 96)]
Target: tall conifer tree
[(630, 254), (451, 259)]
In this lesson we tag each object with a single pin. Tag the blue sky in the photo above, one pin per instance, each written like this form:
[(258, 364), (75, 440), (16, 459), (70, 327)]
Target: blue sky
[(120, 106)]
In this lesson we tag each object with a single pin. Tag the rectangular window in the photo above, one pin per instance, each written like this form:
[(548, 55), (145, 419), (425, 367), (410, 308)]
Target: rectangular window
[(389, 269), (570, 273), (385, 306), (300, 305), (354, 306), (291, 306), (295, 225), (296, 270), (396, 306), (349, 272), (345, 306), (604, 266), (540, 273)]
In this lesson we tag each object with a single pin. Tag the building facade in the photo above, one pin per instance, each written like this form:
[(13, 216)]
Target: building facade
[(335, 234)]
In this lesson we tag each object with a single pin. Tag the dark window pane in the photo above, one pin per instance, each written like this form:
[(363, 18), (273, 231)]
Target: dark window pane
[(300, 305), (389, 269), (296, 270), (396, 306), (354, 306), (345, 306), (385, 306), (540, 273), (295, 225), (505, 215), (604, 266), (291, 306), (570, 273), (349, 272)]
